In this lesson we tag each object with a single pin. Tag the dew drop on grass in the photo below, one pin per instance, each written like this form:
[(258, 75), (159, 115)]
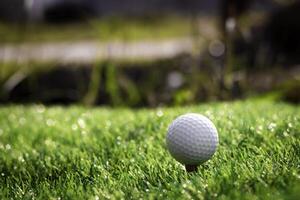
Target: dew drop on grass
[(22, 121), (81, 123), (34, 152), (50, 122), (208, 113), (2, 174), (21, 159), (259, 129), (159, 113), (272, 126), (297, 175), (40, 109), (7, 147), (50, 143), (74, 127), (285, 134), (83, 133)]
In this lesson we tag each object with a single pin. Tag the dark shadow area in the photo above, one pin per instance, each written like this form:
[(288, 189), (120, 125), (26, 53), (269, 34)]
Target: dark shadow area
[(283, 35), (68, 12)]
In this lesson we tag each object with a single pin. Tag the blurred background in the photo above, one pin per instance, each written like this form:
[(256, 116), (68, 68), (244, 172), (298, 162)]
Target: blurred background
[(148, 53)]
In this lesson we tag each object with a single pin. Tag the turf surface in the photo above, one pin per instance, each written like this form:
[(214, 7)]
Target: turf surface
[(102, 153)]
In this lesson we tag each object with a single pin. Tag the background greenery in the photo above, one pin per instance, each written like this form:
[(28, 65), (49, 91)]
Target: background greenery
[(104, 29)]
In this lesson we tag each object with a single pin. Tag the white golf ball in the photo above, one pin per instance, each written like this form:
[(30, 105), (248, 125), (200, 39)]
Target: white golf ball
[(192, 139)]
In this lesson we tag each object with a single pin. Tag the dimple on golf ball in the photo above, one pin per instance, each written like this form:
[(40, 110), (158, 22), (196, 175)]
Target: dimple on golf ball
[(192, 139)]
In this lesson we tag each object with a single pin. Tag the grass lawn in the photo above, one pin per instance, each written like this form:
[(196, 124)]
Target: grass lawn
[(102, 153)]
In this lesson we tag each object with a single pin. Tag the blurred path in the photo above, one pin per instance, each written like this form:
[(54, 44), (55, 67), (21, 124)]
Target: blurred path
[(89, 51)]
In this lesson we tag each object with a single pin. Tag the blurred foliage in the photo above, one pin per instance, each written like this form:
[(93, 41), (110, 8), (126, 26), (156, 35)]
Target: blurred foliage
[(115, 83), (183, 96), (203, 75), (94, 84), (112, 86), (177, 81), (12, 74), (107, 28)]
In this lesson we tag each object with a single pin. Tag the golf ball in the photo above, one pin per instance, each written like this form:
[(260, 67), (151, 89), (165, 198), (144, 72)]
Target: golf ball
[(192, 139)]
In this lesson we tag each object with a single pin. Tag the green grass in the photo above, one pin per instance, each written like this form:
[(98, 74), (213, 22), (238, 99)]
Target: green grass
[(105, 29), (102, 153)]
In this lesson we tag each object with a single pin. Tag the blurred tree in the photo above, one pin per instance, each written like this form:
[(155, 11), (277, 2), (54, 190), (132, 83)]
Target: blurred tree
[(230, 11)]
